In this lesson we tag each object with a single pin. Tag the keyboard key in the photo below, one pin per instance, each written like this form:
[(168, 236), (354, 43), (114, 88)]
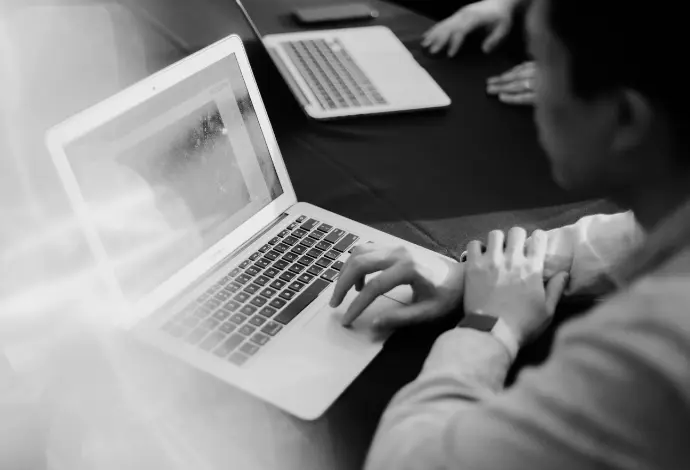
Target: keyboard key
[(287, 276), (260, 338), (274, 240), (242, 297), (202, 312), (175, 329), (213, 303), (308, 242), (261, 280), (299, 249), (278, 284), (265, 248), (289, 257), (332, 254), (315, 270), (296, 286), (228, 345), (330, 275), (268, 292), (277, 303), (287, 294), (257, 320), (316, 235), (262, 263), (323, 262), (271, 328), (272, 255), (306, 260), (252, 271), (309, 224), (299, 233), (290, 240), (301, 218), (271, 272), (197, 335), (235, 272), (212, 340), (338, 265), (227, 327), (243, 278), (325, 228), (248, 309), (280, 264), (222, 295), (231, 306), (237, 358), (297, 268), (244, 264), (247, 330), (282, 247), (251, 289), (283, 233), (346, 242), (221, 314), (322, 245), (267, 312), (305, 278), (301, 302), (258, 301), (238, 318), (335, 235), (190, 322), (255, 256), (232, 287), (249, 349), (210, 323), (292, 225)]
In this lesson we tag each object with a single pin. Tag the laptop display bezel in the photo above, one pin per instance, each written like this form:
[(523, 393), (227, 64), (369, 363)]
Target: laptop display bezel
[(59, 137)]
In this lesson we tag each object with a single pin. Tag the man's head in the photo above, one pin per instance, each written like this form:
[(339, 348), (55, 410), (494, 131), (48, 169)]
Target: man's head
[(607, 107)]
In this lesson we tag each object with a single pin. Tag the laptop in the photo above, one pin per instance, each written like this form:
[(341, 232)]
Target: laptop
[(181, 191), (349, 72)]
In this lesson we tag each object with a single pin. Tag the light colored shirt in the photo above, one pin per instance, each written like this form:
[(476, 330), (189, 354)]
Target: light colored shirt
[(614, 394)]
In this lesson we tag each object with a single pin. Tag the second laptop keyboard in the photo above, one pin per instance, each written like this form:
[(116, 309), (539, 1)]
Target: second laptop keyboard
[(332, 74), (263, 293)]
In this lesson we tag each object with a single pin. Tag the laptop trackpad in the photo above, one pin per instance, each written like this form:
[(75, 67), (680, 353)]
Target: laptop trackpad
[(326, 324)]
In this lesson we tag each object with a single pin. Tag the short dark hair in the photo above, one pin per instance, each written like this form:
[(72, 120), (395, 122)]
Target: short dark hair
[(624, 43)]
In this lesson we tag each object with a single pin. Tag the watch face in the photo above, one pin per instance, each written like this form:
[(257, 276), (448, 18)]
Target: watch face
[(478, 322)]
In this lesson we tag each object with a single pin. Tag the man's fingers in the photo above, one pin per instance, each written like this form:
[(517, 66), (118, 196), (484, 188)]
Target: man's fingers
[(496, 36), (515, 244), (376, 287), (554, 290), (522, 99), (495, 244), (405, 315), (474, 250), (359, 265), (535, 247)]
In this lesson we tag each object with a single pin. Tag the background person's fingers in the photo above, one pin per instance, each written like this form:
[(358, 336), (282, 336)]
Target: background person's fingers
[(439, 41), (495, 245), (516, 87), (354, 271), (554, 290), (456, 40), (521, 72), (498, 33), (376, 287), (507, 75), (522, 99), (535, 247), (515, 241)]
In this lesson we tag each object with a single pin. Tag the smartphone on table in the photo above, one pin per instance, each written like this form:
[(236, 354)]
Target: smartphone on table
[(335, 13)]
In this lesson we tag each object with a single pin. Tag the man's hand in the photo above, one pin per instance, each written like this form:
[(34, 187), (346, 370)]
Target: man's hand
[(516, 86), (494, 15), (437, 289), (507, 282)]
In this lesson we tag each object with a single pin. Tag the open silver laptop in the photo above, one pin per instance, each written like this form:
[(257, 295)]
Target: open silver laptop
[(182, 193), (349, 72)]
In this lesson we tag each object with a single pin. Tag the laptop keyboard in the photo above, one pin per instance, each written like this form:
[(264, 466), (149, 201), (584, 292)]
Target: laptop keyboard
[(248, 307), (332, 75)]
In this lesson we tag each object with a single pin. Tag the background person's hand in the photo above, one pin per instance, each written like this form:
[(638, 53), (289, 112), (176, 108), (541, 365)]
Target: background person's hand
[(516, 86), (494, 15), (507, 282), (436, 283)]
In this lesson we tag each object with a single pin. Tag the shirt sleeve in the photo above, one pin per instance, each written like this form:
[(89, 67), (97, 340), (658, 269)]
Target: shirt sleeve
[(577, 411)]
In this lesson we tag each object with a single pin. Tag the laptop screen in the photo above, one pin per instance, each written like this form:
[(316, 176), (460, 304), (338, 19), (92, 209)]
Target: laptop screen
[(174, 175)]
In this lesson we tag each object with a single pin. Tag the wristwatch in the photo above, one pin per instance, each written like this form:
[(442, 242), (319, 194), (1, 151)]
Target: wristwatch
[(494, 325)]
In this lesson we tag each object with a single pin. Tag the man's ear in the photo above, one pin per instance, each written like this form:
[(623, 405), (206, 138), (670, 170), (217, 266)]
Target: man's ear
[(635, 121)]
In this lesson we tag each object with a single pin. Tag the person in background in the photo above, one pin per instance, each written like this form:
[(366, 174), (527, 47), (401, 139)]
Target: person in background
[(615, 391), (496, 17)]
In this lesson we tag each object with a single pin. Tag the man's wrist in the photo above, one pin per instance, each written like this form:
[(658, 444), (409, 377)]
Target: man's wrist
[(497, 327)]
